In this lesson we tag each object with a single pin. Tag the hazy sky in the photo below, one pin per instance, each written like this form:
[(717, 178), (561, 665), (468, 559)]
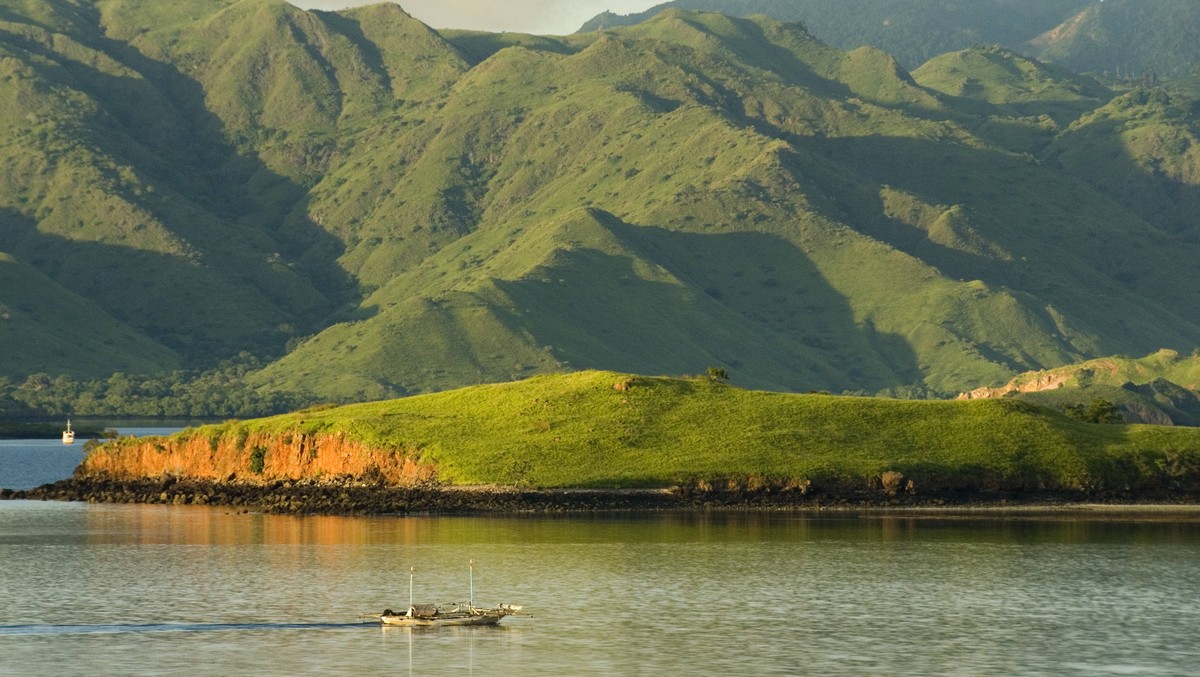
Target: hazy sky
[(545, 17)]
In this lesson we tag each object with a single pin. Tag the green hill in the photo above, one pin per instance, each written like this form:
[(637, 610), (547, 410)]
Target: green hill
[(1122, 39), (1005, 84), (46, 328), (1126, 39), (1162, 388), (603, 429), (390, 210), (1143, 149), (605, 243), (121, 186), (912, 30)]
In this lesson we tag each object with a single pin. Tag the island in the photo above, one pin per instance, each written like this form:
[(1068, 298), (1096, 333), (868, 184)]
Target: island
[(601, 440)]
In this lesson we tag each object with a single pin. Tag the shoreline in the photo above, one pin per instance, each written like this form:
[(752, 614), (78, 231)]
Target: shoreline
[(309, 498), (46, 431)]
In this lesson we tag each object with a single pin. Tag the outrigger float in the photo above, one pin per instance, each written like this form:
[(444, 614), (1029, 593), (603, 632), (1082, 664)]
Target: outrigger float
[(454, 614)]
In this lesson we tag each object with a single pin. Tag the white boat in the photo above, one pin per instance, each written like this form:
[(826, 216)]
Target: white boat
[(455, 614), (68, 434)]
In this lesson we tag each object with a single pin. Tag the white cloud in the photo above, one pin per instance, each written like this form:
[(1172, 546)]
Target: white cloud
[(545, 17)]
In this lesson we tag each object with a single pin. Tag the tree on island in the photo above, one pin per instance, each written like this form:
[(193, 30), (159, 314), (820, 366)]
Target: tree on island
[(1099, 411)]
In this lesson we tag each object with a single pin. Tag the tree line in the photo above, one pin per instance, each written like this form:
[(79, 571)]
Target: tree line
[(216, 393)]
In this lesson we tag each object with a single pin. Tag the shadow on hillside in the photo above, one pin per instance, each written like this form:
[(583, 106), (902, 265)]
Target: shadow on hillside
[(754, 46), (205, 191), (201, 316), (479, 47), (1063, 111), (352, 28), (1167, 203), (681, 302), (1151, 471), (14, 226), (1068, 246), (46, 328)]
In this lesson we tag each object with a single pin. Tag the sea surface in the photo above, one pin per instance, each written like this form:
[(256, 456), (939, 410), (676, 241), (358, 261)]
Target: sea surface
[(25, 464), (195, 590)]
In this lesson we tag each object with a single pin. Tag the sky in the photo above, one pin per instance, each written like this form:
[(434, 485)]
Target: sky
[(543, 17)]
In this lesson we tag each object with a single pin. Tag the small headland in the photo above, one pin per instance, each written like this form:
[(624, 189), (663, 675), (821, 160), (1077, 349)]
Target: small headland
[(602, 441)]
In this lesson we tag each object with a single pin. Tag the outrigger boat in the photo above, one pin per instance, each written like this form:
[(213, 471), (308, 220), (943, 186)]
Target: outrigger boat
[(455, 614), (427, 615)]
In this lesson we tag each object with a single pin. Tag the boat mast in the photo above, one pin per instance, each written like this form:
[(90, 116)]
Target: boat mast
[(410, 588), (471, 599)]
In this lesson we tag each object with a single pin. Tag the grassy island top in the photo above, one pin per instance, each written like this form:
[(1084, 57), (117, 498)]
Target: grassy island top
[(605, 429)]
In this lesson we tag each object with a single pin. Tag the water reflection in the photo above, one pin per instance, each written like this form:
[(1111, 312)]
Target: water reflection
[(154, 524), (427, 649), (647, 594)]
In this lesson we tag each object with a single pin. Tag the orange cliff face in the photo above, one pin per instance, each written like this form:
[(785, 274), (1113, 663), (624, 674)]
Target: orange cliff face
[(257, 458)]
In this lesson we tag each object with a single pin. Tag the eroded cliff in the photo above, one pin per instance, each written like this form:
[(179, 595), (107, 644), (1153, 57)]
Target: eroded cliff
[(256, 458)]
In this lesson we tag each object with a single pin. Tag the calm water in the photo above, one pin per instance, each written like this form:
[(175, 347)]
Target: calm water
[(148, 590), (25, 464), (152, 590)]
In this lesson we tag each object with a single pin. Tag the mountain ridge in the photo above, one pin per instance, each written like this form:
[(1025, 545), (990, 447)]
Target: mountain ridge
[(1120, 39), (383, 209)]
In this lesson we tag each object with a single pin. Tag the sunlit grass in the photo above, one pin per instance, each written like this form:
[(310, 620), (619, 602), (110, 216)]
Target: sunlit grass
[(604, 429)]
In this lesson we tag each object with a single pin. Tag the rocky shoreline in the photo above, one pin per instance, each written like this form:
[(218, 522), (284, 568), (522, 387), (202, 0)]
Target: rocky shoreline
[(349, 498)]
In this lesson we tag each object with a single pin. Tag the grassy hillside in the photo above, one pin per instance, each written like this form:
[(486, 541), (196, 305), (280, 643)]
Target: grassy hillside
[(912, 30), (46, 328), (1160, 388), (702, 240), (1121, 39), (120, 186), (393, 210), (1006, 84), (604, 429), (1143, 149)]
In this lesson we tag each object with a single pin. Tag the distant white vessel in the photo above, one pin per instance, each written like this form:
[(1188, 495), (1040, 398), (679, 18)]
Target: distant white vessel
[(68, 434)]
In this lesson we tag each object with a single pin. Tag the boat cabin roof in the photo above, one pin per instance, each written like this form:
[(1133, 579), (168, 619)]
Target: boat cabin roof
[(423, 610)]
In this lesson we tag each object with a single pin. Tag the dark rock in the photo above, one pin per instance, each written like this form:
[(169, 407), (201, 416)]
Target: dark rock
[(348, 498)]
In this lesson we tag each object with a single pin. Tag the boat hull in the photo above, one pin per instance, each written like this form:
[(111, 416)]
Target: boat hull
[(449, 615), (443, 621)]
